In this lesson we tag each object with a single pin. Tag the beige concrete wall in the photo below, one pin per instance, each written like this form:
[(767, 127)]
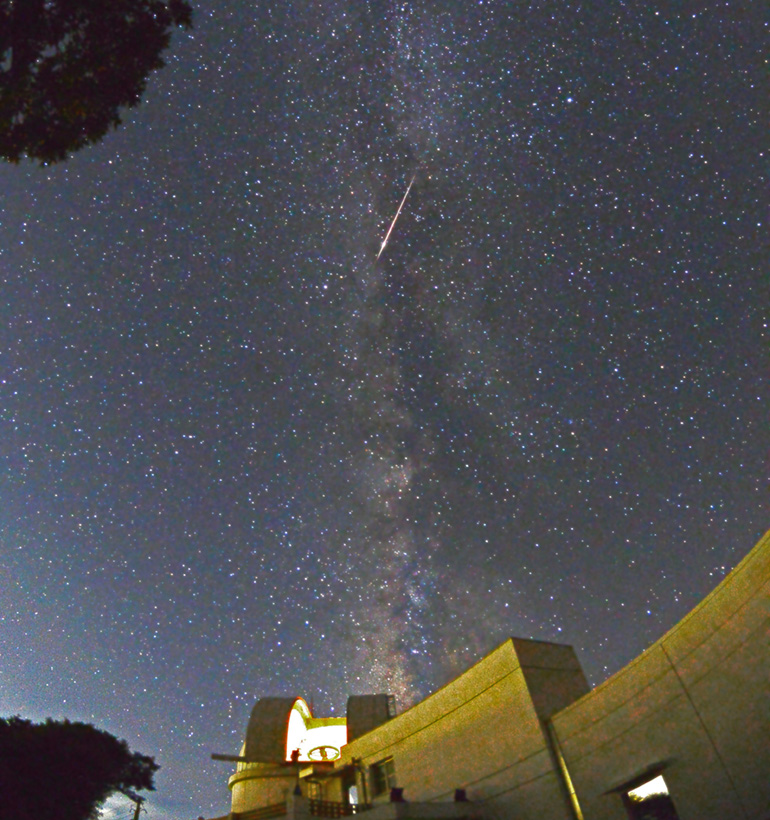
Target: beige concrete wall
[(253, 786), (482, 733), (696, 702)]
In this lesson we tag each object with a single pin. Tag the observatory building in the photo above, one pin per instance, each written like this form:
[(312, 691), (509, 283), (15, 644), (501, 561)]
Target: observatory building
[(682, 732)]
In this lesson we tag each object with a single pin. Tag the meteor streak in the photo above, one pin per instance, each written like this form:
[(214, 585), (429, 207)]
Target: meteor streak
[(387, 235)]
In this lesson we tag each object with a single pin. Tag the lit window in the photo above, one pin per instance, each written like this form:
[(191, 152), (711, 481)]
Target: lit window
[(383, 775), (650, 801), (651, 788)]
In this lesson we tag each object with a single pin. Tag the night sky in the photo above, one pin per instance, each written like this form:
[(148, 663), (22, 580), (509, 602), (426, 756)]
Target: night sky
[(242, 457)]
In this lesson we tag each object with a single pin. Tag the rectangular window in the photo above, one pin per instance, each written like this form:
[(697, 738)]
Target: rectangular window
[(650, 801), (383, 776)]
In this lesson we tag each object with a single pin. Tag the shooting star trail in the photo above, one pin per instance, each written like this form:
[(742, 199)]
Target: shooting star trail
[(387, 235)]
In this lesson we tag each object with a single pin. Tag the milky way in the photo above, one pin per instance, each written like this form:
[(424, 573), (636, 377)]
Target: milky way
[(243, 456)]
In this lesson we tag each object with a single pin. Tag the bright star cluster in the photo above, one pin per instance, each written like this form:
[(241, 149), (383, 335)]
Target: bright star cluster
[(241, 456)]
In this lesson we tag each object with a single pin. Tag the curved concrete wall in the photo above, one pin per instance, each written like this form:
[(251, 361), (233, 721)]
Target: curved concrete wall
[(696, 704), (259, 784)]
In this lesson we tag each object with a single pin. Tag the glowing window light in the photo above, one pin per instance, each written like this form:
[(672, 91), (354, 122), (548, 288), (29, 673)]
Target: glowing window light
[(652, 788)]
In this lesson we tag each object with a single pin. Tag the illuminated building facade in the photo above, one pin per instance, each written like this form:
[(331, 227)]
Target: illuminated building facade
[(682, 732)]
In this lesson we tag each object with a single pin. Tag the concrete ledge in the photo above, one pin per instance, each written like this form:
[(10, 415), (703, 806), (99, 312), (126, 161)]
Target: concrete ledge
[(417, 811)]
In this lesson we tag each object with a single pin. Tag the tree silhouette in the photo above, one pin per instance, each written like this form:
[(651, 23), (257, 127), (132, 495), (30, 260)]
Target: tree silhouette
[(59, 770), (68, 66)]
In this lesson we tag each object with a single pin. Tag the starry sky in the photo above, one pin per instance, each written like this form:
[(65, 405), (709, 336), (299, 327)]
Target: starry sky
[(241, 456)]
